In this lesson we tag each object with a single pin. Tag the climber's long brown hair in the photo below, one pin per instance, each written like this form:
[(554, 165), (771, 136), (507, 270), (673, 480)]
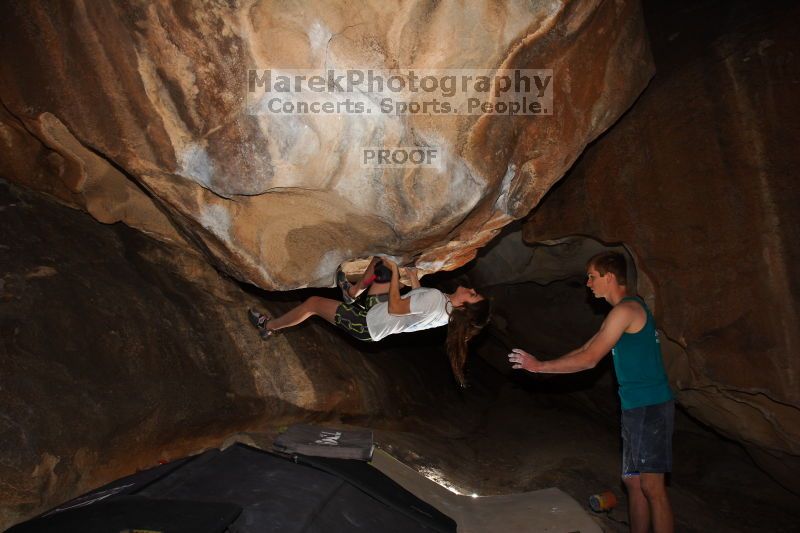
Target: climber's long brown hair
[(465, 322)]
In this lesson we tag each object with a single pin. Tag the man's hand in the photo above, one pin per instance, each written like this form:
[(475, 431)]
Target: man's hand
[(522, 359)]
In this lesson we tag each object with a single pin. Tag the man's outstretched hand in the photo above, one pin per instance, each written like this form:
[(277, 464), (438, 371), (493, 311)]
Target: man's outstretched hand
[(520, 359)]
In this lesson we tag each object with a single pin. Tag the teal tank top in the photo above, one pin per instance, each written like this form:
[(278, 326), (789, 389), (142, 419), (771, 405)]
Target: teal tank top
[(640, 370)]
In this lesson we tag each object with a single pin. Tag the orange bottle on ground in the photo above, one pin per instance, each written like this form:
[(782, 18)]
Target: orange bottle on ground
[(605, 501)]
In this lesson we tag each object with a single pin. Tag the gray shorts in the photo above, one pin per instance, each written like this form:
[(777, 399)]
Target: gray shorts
[(647, 439), (353, 317)]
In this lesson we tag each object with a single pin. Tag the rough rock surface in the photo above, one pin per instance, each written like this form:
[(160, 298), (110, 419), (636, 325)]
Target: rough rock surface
[(135, 111), (117, 351), (699, 181)]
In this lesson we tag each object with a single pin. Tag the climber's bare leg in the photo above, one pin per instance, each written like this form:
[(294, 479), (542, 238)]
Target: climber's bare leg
[(316, 305)]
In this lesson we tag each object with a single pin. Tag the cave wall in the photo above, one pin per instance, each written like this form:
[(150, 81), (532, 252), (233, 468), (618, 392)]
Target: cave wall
[(699, 180), (117, 351), (135, 111)]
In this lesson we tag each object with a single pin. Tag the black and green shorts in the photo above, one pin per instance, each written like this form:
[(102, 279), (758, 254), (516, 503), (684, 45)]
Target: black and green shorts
[(353, 317)]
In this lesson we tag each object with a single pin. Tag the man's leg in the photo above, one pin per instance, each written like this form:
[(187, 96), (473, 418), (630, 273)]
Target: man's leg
[(647, 441), (655, 491), (316, 305), (638, 508)]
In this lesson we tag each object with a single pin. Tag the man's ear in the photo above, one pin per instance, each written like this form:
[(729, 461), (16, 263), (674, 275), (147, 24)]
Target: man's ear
[(612, 277)]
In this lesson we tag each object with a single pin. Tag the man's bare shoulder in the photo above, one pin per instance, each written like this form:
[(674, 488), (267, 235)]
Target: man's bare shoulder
[(626, 311), (617, 322), (630, 314), (633, 305)]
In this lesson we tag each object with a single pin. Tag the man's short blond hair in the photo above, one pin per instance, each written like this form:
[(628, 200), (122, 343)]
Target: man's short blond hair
[(613, 262)]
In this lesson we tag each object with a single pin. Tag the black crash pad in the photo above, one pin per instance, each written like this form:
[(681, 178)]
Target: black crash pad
[(273, 492)]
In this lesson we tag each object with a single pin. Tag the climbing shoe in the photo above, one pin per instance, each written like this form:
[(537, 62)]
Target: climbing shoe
[(260, 322), (344, 285)]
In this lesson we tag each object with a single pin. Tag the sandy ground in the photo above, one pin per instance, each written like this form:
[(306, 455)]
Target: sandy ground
[(520, 443)]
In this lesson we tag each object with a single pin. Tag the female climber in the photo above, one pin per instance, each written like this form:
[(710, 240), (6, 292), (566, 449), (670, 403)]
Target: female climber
[(384, 312)]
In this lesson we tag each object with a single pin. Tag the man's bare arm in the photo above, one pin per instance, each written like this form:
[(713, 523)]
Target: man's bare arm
[(585, 357)]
